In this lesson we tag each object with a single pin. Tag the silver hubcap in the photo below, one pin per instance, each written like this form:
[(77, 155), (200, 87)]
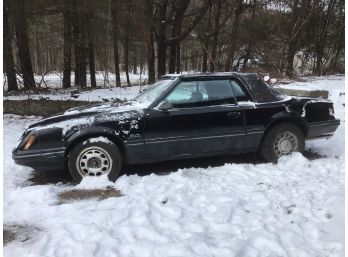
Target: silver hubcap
[(285, 143), (93, 161)]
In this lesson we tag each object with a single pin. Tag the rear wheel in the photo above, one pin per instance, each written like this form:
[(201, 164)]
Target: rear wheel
[(95, 157), (282, 139)]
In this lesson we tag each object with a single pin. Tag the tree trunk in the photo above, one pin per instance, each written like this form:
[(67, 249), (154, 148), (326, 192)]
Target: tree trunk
[(135, 61), (76, 40), (215, 37), (251, 37), (337, 48), (92, 63), (205, 56), (322, 36), (8, 55), (90, 34), (150, 43), (319, 58), (161, 58), (126, 46), (83, 45), (23, 45), (289, 70), (301, 14), (151, 59), (232, 45), (205, 47), (172, 58), (178, 61), (67, 45), (115, 41), (161, 37)]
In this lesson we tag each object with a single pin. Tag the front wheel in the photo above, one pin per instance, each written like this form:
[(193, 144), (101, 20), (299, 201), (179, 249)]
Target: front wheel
[(95, 157), (282, 139)]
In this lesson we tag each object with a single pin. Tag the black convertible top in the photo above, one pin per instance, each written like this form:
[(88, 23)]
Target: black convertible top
[(258, 89)]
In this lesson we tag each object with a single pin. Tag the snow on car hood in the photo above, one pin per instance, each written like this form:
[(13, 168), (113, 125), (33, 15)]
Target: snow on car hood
[(128, 113), (106, 107)]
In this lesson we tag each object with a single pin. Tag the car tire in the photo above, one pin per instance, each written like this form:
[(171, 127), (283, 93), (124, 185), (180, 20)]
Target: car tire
[(95, 157), (282, 139)]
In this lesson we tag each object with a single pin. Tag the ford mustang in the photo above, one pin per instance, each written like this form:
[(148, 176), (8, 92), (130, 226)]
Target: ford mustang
[(180, 116)]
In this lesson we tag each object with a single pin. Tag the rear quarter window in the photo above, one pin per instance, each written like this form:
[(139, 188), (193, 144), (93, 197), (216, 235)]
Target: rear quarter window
[(239, 92)]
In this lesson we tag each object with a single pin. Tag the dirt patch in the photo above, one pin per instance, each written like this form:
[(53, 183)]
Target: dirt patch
[(20, 233), (46, 177), (83, 194), (310, 155), (43, 107)]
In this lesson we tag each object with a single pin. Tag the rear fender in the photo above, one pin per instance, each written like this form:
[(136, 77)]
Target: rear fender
[(285, 116)]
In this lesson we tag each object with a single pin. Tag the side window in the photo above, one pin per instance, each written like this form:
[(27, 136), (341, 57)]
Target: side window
[(182, 93), (201, 93), (239, 92)]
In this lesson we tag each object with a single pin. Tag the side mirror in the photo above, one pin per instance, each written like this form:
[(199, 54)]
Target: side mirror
[(165, 106)]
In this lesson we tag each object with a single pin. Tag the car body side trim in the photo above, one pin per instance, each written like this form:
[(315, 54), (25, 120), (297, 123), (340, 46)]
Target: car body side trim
[(45, 152), (38, 155), (324, 123), (170, 139), (196, 138)]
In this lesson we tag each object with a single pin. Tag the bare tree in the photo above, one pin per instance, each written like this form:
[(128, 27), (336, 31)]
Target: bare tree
[(115, 41), (8, 55), (23, 45), (91, 45), (67, 44), (179, 9), (170, 36), (301, 11), (238, 9), (126, 43)]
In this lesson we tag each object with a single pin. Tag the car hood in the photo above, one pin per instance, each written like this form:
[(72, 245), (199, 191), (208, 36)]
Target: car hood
[(92, 113)]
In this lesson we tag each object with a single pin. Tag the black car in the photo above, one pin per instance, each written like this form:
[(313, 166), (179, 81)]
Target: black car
[(178, 117)]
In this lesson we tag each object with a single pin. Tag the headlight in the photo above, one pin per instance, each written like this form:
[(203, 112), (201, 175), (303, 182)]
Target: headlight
[(29, 141)]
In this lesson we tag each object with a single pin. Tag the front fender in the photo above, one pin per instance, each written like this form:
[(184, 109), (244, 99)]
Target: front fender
[(93, 132)]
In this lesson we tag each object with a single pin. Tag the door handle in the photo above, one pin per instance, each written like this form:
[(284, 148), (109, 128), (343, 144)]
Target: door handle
[(233, 115)]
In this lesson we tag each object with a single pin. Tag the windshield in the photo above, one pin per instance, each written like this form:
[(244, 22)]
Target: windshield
[(153, 91)]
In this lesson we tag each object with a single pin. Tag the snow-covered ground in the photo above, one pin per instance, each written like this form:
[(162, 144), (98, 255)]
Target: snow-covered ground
[(293, 208), (313, 84), (106, 90)]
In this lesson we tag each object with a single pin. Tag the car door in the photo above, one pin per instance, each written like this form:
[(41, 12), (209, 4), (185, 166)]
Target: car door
[(204, 119)]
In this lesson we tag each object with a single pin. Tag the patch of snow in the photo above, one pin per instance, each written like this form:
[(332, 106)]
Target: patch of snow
[(54, 79), (331, 112), (98, 139), (68, 124), (96, 95), (247, 103), (133, 106), (287, 109), (273, 80), (100, 182)]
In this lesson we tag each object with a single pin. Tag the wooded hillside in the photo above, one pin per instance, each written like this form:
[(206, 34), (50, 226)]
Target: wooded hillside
[(289, 37)]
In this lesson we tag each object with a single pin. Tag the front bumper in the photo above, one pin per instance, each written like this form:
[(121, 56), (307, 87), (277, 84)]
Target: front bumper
[(53, 158), (322, 129)]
